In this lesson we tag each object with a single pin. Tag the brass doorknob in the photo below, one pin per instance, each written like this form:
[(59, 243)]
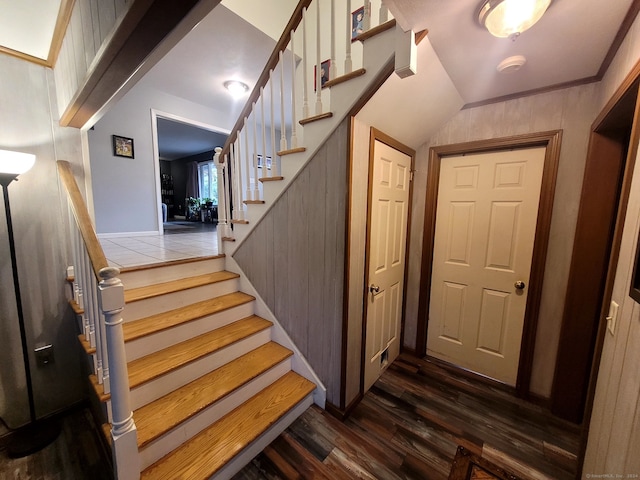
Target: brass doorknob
[(519, 285)]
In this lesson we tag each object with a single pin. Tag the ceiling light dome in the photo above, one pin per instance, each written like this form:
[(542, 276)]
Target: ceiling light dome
[(509, 18), (236, 88)]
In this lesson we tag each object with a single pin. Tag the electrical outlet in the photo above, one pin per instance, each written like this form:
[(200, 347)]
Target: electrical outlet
[(612, 318), (44, 355)]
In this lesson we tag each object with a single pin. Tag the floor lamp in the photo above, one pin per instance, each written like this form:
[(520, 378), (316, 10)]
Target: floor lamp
[(36, 435)]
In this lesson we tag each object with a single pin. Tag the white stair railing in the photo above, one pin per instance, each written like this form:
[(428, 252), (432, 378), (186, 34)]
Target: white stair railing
[(103, 302), (319, 37)]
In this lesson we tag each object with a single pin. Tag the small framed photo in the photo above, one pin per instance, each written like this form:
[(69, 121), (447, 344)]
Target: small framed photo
[(261, 162), (357, 27), (122, 146), (324, 71)]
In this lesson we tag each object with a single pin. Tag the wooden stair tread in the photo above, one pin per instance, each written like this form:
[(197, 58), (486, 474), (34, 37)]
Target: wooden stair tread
[(150, 291), (291, 151), (98, 388), (145, 369), (75, 307), (169, 263), (242, 222), (315, 118), (372, 32), (165, 320), (160, 416), (228, 239), (86, 346), (270, 179), (211, 449), (253, 202), (345, 78)]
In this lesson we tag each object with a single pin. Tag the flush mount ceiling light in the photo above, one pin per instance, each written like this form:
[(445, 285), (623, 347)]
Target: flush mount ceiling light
[(236, 88), (509, 18)]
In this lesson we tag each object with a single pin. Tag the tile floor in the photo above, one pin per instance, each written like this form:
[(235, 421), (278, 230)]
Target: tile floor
[(144, 250)]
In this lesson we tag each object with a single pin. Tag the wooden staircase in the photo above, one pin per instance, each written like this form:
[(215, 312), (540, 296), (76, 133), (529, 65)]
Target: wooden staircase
[(209, 387)]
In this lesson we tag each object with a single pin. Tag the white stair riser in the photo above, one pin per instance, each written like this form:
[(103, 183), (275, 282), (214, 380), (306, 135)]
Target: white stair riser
[(159, 387), (179, 435), (166, 273), (245, 456), (160, 340), (169, 301)]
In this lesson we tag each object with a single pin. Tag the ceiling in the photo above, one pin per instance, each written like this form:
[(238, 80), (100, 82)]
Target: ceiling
[(179, 140), (569, 44)]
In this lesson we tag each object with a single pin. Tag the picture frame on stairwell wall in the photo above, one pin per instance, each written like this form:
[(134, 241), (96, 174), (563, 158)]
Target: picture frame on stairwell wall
[(324, 70), (260, 162), (357, 23), (122, 146)]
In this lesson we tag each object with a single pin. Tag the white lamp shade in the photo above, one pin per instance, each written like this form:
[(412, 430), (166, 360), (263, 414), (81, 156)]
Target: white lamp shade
[(504, 18), (15, 162)]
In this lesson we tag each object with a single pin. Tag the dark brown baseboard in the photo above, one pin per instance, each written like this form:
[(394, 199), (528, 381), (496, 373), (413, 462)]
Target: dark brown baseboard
[(341, 414)]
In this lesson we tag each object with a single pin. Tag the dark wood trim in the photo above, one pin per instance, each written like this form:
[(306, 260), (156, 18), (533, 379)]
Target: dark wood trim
[(293, 23), (347, 269), (142, 29), (377, 135), (534, 91), (408, 351), (631, 81), (343, 413), (622, 90), (421, 35), (629, 18), (60, 30), (551, 141)]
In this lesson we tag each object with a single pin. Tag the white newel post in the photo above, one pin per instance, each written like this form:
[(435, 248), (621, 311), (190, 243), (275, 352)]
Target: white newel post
[(123, 432), (222, 205)]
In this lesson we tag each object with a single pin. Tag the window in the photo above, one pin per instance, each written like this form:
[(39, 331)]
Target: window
[(208, 181)]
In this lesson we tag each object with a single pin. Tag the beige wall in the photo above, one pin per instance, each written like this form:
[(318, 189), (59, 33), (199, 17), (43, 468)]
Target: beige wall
[(614, 432), (572, 110)]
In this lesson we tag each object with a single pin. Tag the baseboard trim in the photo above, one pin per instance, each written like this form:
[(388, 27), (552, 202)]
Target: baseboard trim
[(341, 414), (106, 236)]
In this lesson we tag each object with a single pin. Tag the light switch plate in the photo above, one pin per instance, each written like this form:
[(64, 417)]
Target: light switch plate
[(612, 318)]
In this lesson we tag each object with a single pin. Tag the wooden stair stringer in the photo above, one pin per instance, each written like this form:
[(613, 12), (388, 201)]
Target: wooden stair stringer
[(378, 51)]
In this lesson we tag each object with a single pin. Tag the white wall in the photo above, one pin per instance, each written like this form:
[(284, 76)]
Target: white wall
[(41, 235), (614, 431), (124, 189)]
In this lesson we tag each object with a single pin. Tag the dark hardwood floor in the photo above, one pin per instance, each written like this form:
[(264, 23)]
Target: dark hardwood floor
[(408, 426), (77, 454)]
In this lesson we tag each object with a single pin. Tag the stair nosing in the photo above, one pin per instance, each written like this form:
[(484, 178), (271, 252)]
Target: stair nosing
[(153, 319), (301, 392), (263, 325), (170, 263), (173, 286), (280, 354)]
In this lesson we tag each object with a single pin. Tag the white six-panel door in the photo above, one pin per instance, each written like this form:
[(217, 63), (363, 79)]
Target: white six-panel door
[(387, 250), (485, 228)]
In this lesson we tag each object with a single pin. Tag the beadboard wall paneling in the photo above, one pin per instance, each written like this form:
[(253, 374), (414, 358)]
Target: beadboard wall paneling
[(572, 110), (614, 433), (295, 259)]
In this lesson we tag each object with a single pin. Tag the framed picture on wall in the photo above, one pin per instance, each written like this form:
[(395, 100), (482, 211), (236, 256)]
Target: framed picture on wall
[(324, 74), (122, 146), (357, 27), (261, 162)]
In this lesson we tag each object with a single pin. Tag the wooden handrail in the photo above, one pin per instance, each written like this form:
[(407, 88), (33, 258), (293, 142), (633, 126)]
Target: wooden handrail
[(81, 214), (294, 21)]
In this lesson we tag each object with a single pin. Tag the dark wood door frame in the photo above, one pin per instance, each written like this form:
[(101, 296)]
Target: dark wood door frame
[(551, 141)]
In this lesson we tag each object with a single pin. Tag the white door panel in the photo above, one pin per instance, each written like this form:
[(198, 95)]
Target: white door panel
[(387, 251), (485, 230)]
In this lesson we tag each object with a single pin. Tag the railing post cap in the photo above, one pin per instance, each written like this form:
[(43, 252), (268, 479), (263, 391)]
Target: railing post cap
[(107, 273)]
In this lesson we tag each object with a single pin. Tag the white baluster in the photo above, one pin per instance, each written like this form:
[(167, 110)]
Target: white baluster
[(222, 204), (247, 169), (265, 171), (238, 180), (384, 13), (348, 64), (226, 180), (256, 186), (305, 85), (366, 21), (333, 71), (123, 433), (294, 137), (283, 127), (237, 192), (275, 160), (318, 63)]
